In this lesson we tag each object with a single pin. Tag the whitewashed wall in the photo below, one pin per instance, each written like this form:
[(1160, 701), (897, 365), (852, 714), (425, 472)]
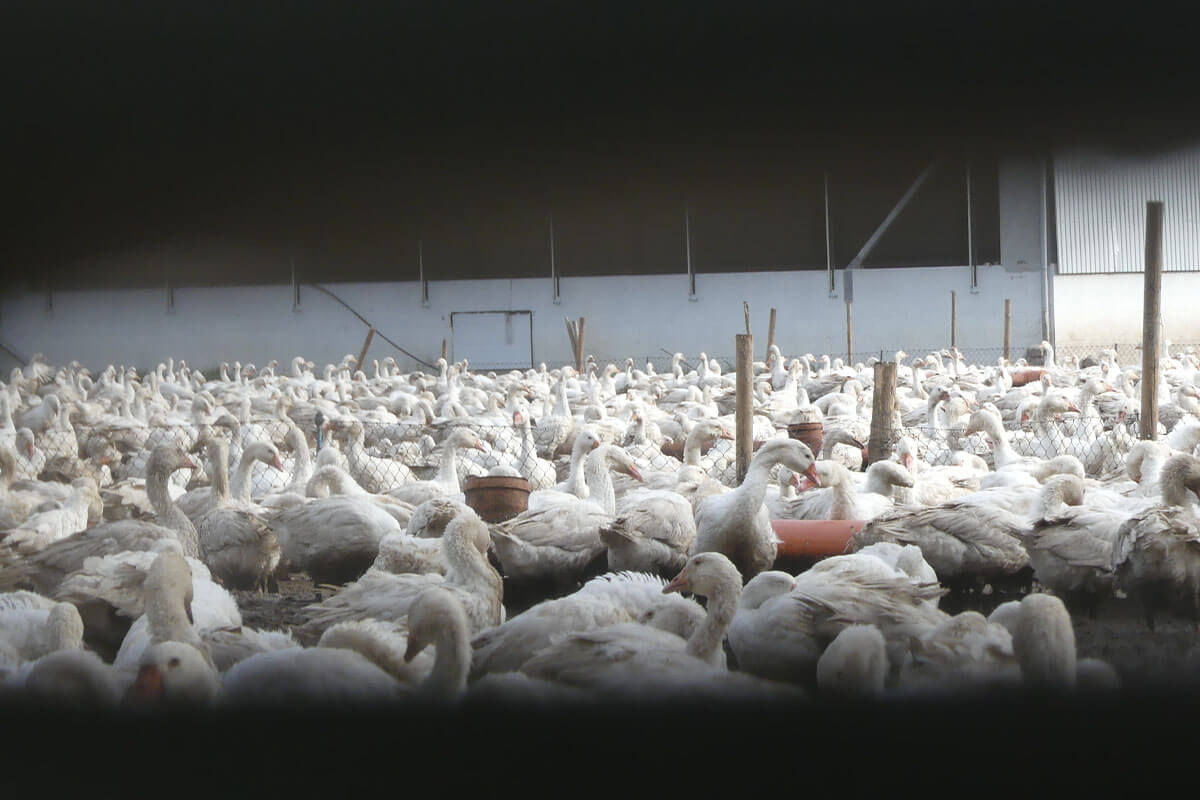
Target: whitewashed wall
[(1099, 309), (625, 316)]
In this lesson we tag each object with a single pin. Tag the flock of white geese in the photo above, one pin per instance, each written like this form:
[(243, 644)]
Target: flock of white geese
[(120, 544)]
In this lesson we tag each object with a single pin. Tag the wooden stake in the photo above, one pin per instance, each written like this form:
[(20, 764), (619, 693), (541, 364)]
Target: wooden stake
[(884, 402), (366, 344), (444, 358), (953, 317), (571, 336), (1151, 319), (746, 309), (579, 342), (771, 334), (1007, 328), (849, 336), (744, 437)]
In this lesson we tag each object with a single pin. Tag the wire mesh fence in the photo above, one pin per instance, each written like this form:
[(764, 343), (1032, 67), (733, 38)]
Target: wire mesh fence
[(1099, 445)]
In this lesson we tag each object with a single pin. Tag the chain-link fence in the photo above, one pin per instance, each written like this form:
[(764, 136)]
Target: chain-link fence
[(1101, 446), (391, 455)]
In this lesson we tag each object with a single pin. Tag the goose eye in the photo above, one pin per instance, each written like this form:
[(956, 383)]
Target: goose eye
[(173, 662)]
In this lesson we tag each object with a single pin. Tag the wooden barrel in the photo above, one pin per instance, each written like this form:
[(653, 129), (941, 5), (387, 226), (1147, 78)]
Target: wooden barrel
[(496, 498), (811, 433)]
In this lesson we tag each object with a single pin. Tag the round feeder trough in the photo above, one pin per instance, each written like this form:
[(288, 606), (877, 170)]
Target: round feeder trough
[(814, 538), (811, 433), (1020, 377), (497, 498)]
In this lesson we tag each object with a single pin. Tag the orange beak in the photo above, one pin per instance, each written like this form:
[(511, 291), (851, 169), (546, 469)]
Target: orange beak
[(189, 464), (907, 460), (635, 473), (679, 584), (811, 474), (277, 464), (147, 687), (725, 435)]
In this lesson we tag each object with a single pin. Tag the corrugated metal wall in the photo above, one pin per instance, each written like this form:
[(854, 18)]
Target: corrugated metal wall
[(1101, 210)]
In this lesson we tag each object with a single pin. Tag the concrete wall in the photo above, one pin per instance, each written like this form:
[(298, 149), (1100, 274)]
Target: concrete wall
[(626, 316), (1103, 309)]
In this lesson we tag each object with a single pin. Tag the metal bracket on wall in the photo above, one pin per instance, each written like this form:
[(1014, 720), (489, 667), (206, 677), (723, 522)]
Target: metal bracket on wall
[(971, 237), (295, 288), (555, 288), (687, 253), (421, 271), (828, 239)]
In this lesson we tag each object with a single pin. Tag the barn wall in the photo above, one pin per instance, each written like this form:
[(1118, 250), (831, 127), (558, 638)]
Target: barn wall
[(626, 316)]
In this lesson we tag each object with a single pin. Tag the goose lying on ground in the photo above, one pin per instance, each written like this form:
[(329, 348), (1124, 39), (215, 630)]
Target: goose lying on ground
[(385, 596), (605, 600), (632, 660), (1156, 554)]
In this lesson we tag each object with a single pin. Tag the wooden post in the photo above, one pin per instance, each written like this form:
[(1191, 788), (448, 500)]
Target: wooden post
[(771, 333), (884, 402), (1151, 319), (362, 356), (1007, 328), (571, 336), (744, 437), (579, 333), (953, 317), (444, 358), (746, 309), (849, 336)]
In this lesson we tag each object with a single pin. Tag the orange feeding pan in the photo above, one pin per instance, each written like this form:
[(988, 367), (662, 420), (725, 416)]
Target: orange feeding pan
[(815, 537), (1020, 377)]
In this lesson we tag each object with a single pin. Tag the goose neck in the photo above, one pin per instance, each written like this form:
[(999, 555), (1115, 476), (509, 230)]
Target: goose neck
[(240, 489), (599, 482), (448, 466), (218, 457), (451, 663), (169, 515), (722, 605)]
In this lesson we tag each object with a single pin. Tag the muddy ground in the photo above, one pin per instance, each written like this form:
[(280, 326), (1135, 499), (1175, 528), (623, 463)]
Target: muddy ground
[(1118, 635)]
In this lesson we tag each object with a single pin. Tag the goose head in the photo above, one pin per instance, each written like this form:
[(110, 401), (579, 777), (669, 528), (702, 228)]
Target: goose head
[(167, 458), (586, 441), (705, 574), (1062, 488), (891, 473), (434, 613), (1180, 479), (173, 674), (621, 461), (265, 452), (465, 437), (793, 454), (765, 585), (25, 441)]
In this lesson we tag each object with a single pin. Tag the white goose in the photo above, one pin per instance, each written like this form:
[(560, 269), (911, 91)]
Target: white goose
[(385, 596), (237, 544), (637, 660), (737, 523)]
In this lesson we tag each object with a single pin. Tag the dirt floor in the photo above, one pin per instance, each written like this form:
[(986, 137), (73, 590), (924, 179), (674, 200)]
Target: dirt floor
[(1118, 634)]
